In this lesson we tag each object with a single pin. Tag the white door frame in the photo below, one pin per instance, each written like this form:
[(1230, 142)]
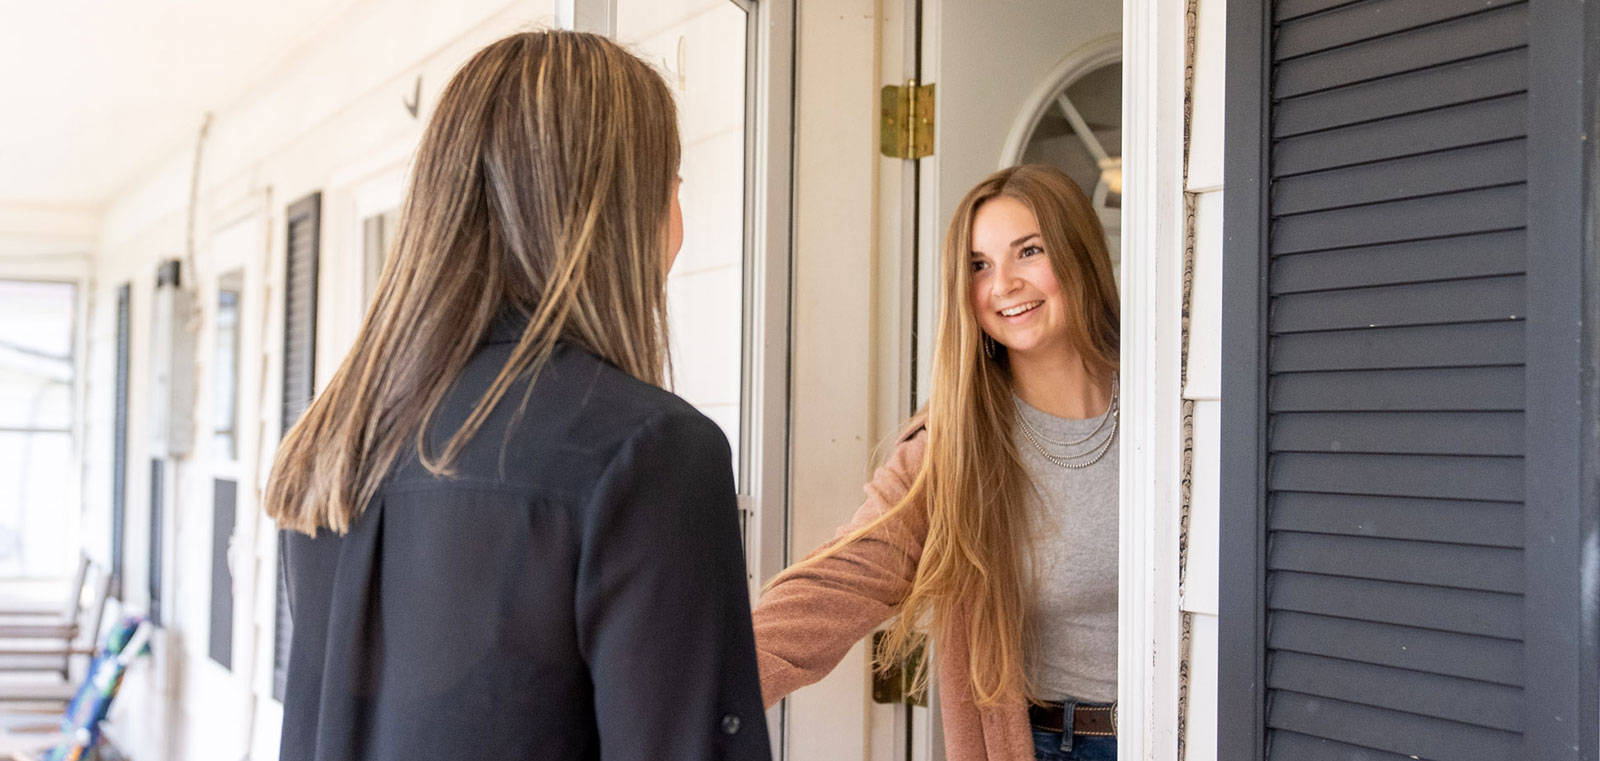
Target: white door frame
[(1153, 234), (597, 16), (769, 159), (1153, 224)]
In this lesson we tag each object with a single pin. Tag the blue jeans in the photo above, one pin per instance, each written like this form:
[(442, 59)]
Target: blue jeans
[(1047, 747), (1054, 746)]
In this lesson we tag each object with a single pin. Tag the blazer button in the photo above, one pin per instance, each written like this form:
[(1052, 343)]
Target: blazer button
[(730, 724)]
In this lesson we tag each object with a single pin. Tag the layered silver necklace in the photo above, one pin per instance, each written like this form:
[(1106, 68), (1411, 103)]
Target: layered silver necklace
[(1075, 460)]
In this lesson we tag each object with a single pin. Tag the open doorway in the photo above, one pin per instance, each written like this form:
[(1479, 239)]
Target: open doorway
[(1022, 82)]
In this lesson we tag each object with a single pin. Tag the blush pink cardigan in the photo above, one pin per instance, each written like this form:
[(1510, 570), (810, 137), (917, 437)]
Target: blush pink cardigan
[(806, 623)]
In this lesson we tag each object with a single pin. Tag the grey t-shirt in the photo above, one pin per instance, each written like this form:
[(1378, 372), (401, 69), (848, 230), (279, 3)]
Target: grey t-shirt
[(1073, 561)]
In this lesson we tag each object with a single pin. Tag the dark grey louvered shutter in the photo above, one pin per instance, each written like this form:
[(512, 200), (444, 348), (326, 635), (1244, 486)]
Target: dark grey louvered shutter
[(1404, 430), (158, 535), (119, 437), (299, 368)]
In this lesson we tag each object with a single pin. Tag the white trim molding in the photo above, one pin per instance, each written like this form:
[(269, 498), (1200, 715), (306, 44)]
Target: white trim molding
[(1152, 271), (597, 16)]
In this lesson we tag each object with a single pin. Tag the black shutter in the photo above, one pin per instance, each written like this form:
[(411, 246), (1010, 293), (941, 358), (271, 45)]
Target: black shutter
[(300, 307), (158, 527), (299, 368), (119, 439), (224, 506), (1404, 426)]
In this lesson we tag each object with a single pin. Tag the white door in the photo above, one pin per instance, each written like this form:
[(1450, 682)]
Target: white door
[(216, 577), (1015, 81)]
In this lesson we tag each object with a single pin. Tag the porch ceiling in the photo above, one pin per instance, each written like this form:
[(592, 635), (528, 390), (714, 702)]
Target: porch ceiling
[(93, 94)]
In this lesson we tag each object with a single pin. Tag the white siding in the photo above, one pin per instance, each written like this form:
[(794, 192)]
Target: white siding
[(1203, 384), (1204, 379), (1200, 582), (1200, 733), (1206, 97)]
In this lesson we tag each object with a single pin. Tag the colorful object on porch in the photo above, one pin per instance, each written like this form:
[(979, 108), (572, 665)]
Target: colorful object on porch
[(129, 639)]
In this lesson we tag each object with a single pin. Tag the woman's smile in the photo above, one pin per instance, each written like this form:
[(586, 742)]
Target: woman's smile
[(1017, 313)]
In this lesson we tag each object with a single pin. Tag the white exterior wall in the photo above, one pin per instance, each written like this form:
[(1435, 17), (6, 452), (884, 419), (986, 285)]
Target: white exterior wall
[(1203, 383)]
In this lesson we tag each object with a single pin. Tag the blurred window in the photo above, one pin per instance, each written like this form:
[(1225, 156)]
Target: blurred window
[(377, 233), (39, 481), (225, 367)]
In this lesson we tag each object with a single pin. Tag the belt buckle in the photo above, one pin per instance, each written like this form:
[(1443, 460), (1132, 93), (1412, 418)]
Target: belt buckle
[(1114, 722)]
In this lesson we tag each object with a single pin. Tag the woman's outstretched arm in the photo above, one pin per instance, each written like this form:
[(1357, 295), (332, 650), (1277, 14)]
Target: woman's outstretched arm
[(819, 609)]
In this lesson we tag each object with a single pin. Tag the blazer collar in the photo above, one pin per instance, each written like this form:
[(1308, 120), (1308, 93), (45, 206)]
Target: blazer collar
[(508, 327)]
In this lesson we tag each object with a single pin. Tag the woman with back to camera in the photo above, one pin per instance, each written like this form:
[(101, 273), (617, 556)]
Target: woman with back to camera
[(504, 539), (994, 523)]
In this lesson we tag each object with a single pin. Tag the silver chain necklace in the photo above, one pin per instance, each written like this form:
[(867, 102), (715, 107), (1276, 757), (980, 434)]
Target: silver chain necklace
[(1098, 452), (1039, 435)]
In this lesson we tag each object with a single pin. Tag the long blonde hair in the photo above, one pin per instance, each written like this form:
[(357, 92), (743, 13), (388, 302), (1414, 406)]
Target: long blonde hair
[(972, 482), (542, 186)]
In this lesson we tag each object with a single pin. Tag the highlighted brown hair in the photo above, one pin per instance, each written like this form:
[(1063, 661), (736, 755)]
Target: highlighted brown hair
[(541, 186)]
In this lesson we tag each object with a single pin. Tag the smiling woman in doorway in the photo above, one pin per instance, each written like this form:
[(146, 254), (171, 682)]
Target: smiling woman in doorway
[(993, 526)]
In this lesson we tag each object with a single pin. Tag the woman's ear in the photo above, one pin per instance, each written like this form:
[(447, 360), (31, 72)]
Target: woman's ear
[(674, 237)]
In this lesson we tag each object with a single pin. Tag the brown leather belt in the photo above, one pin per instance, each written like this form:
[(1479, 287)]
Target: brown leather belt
[(1096, 721)]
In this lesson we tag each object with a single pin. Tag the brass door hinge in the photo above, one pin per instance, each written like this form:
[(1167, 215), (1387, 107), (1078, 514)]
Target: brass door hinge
[(894, 685), (906, 121)]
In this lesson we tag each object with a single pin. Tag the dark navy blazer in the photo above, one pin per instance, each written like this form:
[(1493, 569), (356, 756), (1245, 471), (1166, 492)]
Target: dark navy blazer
[(575, 591)]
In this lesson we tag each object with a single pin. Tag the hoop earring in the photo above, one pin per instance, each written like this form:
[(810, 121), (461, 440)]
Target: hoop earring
[(988, 346)]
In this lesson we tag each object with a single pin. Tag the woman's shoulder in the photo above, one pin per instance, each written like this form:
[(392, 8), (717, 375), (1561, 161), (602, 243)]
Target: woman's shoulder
[(581, 414), (913, 429), (910, 447), (608, 404), (596, 378)]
